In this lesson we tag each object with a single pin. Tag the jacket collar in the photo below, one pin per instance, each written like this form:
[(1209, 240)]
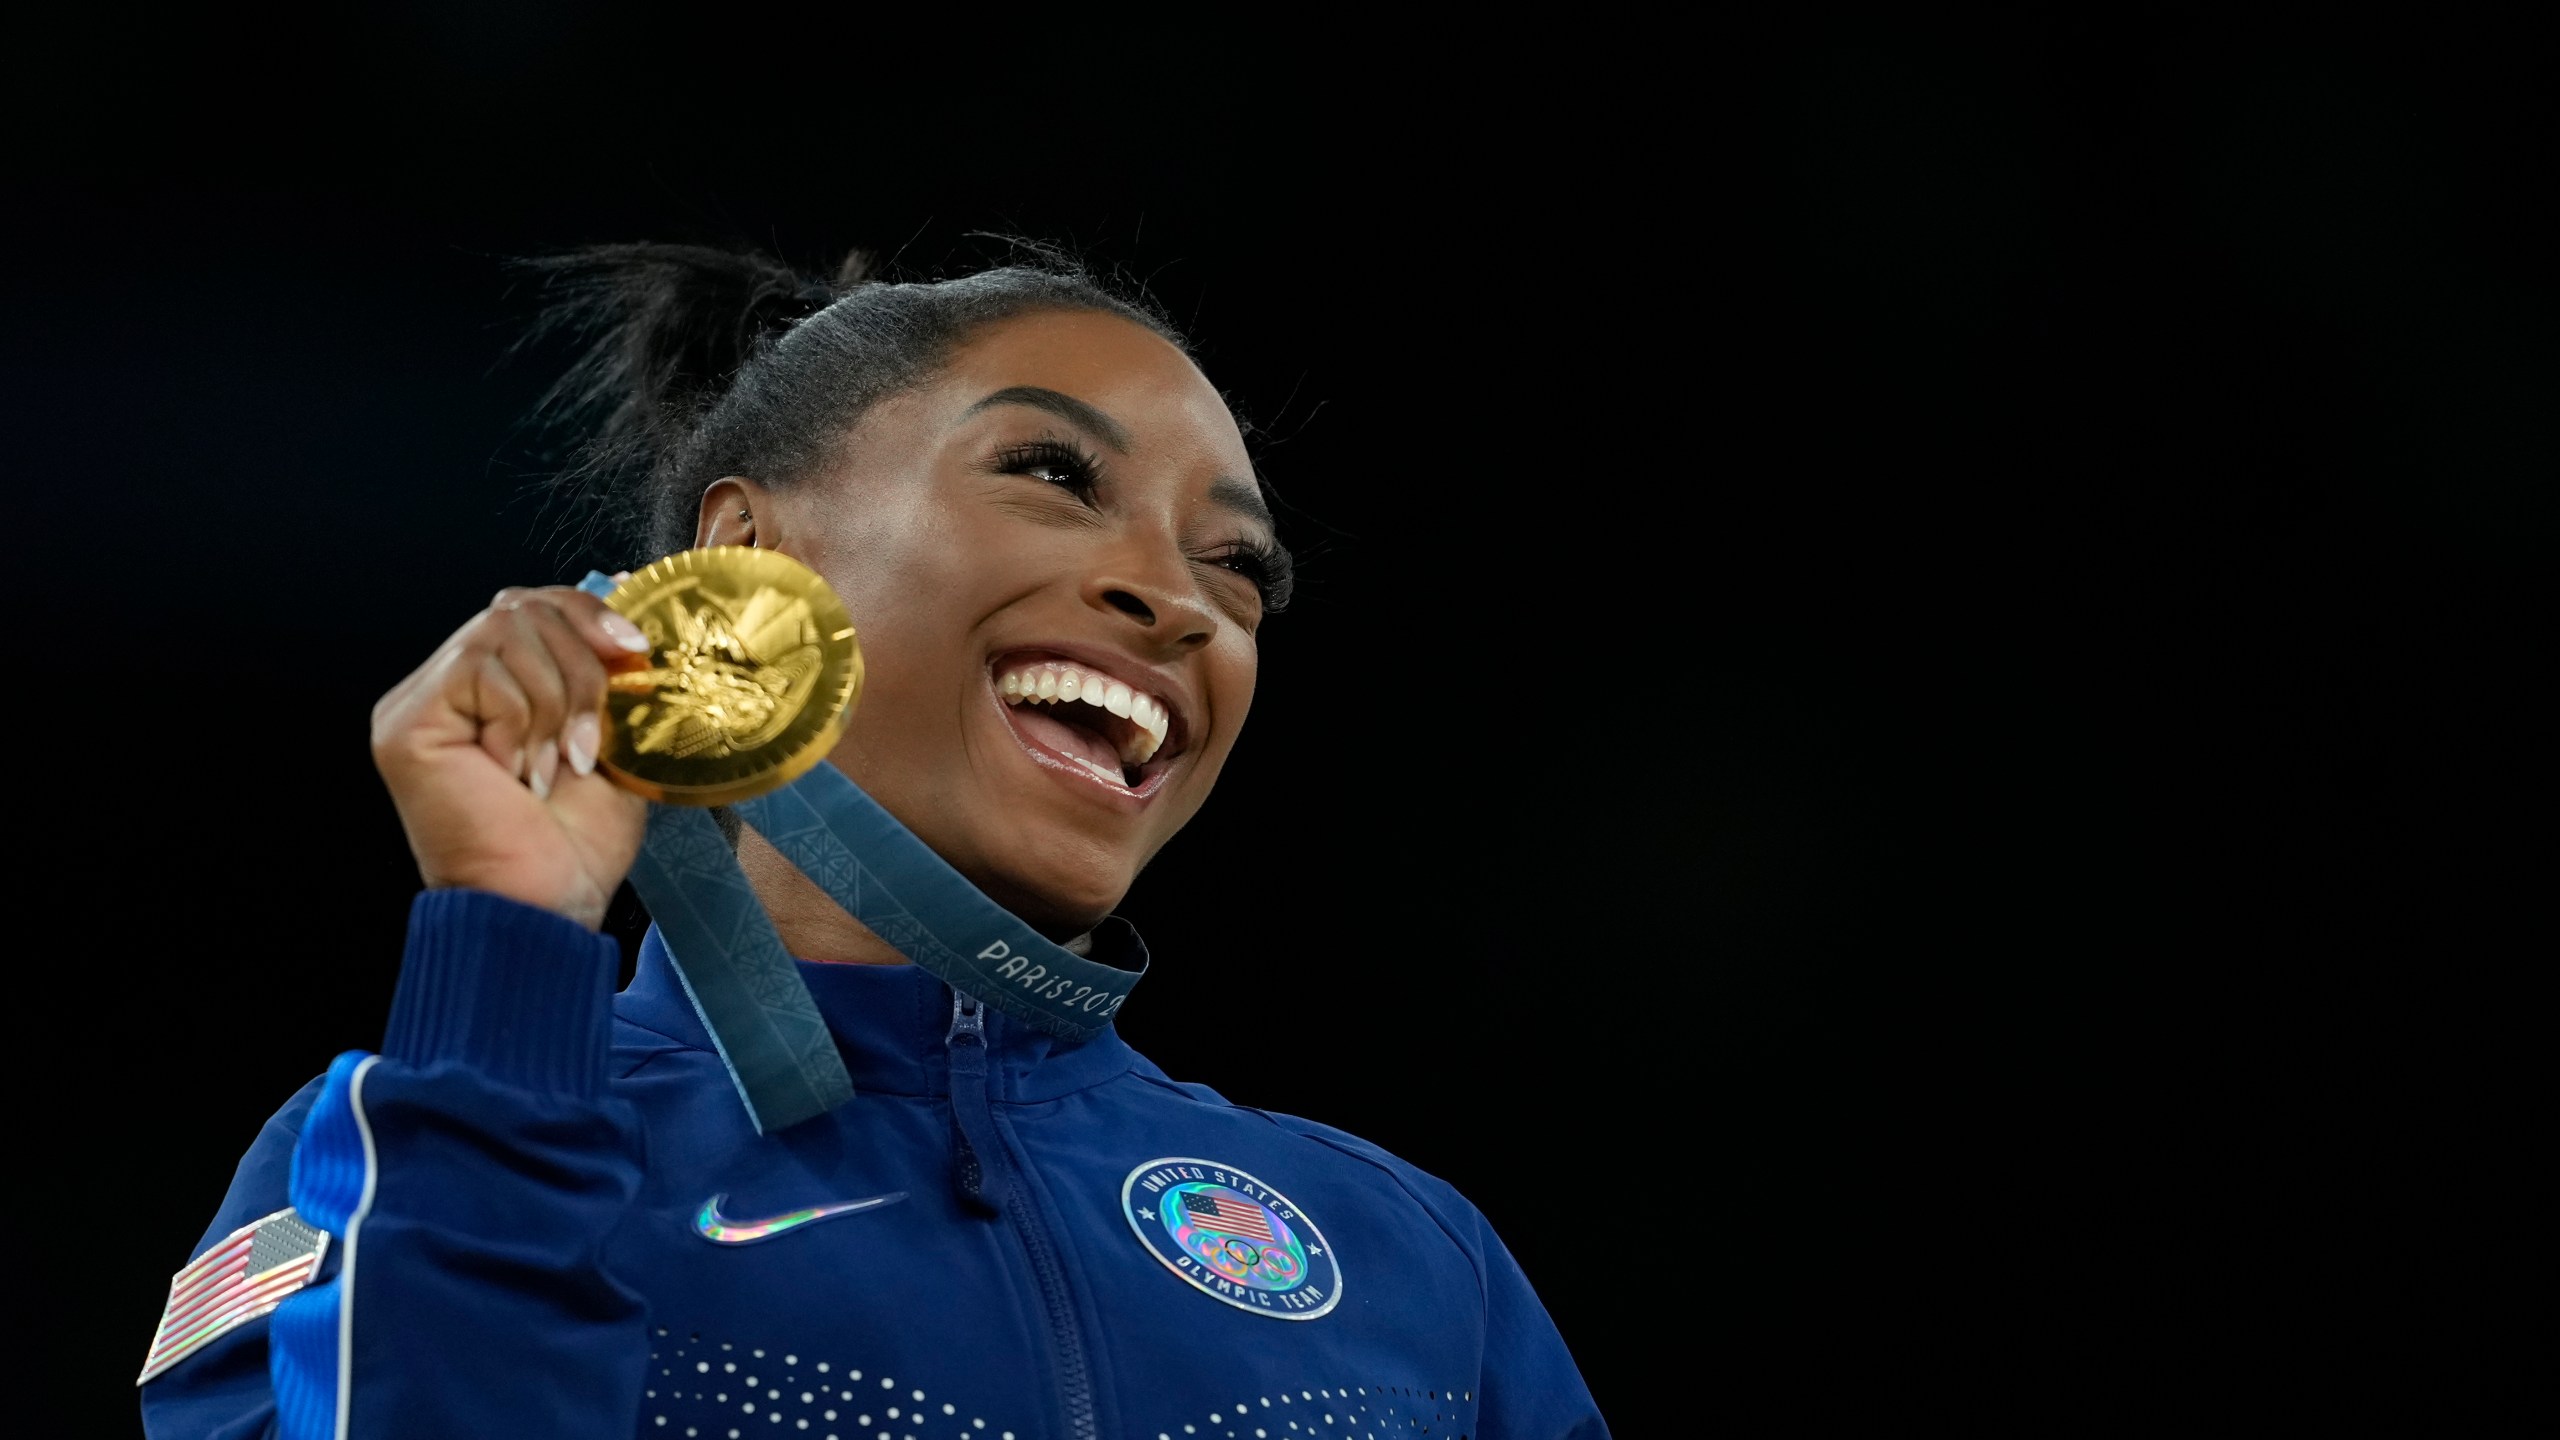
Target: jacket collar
[(890, 1024)]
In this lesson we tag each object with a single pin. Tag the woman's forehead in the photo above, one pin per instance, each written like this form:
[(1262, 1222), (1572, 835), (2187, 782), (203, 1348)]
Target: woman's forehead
[(1135, 379)]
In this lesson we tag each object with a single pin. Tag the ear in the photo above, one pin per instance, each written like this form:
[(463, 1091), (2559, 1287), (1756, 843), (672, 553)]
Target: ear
[(737, 511)]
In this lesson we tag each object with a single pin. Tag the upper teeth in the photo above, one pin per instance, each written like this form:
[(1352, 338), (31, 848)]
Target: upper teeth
[(1051, 682)]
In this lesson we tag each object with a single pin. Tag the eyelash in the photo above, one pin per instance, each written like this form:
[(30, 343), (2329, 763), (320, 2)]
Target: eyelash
[(1262, 562), (1083, 472)]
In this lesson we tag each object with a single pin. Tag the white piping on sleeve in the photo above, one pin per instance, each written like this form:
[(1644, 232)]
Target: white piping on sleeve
[(347, 1261)]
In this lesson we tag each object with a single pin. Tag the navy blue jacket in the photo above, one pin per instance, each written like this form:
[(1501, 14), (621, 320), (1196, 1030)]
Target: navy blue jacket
[(553, 1218)]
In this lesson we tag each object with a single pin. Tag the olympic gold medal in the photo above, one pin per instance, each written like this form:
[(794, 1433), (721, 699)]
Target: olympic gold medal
[(751, 674)]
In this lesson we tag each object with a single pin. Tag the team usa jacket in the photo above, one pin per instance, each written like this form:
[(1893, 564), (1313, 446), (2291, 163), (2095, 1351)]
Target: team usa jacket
[(541, 1211)]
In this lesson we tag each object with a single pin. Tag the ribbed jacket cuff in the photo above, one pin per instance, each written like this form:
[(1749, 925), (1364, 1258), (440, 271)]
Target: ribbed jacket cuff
[(520, 994)]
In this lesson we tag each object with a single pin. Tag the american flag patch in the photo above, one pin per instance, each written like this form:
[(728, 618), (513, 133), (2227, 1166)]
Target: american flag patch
[(1232, 1217), (248, 1273)]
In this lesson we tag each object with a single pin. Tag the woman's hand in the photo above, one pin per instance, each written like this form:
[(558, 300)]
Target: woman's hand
[(490, 749)]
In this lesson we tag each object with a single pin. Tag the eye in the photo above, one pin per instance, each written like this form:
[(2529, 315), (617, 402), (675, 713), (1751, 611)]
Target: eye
[(1264, 564), (1053, 462)]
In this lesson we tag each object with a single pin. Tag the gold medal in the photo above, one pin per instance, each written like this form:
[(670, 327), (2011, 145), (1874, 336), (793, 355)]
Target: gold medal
[(751, 674)]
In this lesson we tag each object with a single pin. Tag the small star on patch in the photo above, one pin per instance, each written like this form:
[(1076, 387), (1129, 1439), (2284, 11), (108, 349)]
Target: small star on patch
[(246, 1274)]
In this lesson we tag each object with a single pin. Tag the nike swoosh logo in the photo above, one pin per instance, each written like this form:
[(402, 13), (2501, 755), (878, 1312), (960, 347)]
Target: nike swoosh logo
[(719, 1229)]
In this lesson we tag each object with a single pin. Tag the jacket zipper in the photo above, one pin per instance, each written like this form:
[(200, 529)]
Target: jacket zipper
[(988, 1177)]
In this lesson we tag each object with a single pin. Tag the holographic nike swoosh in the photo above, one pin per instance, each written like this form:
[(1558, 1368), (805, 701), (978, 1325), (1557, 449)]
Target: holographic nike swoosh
[(719, 1229)]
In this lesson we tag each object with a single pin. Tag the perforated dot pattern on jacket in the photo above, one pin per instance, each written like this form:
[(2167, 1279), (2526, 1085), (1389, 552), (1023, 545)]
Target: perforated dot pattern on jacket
[(705, 1388), (1333, 1412)]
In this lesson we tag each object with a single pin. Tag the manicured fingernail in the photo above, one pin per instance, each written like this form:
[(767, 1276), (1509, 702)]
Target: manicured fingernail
[(540, 779), (518, 772), (581, 744), (623, 633)]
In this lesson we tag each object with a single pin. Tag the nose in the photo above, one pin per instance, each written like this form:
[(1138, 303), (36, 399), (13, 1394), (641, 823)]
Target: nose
[(1130, 605), (1167, 609)]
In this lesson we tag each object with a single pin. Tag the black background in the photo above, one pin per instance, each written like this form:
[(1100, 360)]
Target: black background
[(1909, 661)]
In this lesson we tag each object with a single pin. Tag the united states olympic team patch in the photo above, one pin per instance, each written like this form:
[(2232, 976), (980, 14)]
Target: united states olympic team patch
[(1232, 1237)]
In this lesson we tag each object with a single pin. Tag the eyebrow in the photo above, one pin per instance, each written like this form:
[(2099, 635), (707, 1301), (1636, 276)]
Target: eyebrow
[(1243, 496), (1065, 407), (1228, 492)]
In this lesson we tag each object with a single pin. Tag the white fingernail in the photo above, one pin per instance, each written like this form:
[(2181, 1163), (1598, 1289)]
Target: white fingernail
[(580, 744), (623, 633)]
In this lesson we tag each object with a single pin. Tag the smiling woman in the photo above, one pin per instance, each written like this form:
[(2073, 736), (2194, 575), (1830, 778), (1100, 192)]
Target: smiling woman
[(1045, 525)]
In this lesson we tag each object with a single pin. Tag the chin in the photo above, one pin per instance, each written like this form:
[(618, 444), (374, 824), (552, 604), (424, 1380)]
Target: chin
[(1059, 901)]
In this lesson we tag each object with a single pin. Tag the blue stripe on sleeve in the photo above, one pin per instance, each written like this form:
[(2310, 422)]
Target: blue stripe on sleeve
[(333, 1169)]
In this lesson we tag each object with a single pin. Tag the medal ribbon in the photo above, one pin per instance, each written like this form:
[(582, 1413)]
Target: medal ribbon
[(747, 988), (743, 984)]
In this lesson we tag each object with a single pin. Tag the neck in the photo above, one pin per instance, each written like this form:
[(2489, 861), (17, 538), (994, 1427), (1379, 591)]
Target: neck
[(812, 925)]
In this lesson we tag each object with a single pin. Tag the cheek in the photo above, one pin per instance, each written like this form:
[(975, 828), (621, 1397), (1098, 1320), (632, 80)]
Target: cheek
[(1234, 667), (907, 579)]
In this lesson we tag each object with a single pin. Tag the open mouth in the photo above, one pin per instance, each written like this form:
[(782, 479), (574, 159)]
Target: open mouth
[(1098, 724)]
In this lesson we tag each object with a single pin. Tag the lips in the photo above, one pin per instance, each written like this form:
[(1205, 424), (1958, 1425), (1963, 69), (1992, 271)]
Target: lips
[(1101, 725)]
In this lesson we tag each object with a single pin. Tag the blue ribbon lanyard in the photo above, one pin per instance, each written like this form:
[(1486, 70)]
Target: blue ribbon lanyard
[(747, 988)]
